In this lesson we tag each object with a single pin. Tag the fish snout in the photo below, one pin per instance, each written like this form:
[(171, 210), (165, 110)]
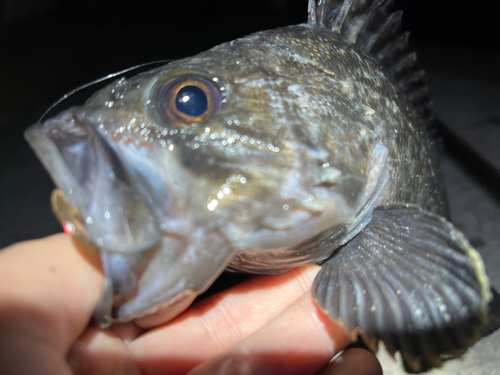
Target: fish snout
[(94, 181), (152, 276)]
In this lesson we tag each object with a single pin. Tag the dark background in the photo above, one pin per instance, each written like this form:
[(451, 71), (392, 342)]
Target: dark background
[(49, 47)]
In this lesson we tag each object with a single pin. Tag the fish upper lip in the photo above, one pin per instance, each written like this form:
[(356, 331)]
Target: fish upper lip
[(116, 214)]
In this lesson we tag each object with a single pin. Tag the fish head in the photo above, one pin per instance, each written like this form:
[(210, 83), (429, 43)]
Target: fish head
[(247, 146)]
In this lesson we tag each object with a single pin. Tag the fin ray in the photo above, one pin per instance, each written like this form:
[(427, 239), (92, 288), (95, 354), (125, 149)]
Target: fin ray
[(376, 30), (411, 280), (386, 31)]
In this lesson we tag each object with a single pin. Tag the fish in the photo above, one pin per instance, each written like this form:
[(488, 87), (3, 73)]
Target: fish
[(304, 144)]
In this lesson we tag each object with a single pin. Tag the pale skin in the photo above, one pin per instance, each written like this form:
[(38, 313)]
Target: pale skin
[(265, 325)]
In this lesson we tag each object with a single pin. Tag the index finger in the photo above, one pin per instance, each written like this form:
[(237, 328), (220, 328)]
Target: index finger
[(301, 340)]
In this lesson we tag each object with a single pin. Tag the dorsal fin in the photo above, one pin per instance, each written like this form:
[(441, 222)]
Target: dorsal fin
[(373, 27)]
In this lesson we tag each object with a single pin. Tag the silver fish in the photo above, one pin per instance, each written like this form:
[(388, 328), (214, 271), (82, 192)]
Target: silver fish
[(292, 146)]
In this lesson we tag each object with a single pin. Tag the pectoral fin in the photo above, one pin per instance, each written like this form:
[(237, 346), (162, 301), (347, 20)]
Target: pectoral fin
[(411, 280)]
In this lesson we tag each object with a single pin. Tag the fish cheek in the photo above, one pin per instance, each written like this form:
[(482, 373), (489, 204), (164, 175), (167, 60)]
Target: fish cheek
[(301, 134), (205, 164), (193, 160)]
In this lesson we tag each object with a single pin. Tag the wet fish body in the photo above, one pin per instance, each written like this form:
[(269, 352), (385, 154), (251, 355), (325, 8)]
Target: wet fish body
[(287, 147)]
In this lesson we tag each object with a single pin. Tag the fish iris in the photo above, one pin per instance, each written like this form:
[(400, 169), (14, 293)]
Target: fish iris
[(192, 101), (188, 98)]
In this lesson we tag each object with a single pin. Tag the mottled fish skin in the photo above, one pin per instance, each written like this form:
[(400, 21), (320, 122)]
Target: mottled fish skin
[(358, 102), (351, 82), (301, 112), (317, 94), (304, 136)]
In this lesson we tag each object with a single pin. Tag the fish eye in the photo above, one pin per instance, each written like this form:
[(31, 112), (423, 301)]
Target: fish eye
[(187, 99)]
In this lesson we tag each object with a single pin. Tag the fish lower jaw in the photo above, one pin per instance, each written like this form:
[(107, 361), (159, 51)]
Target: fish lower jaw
[(162, 312)]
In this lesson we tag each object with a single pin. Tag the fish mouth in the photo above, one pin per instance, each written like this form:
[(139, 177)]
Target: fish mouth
[(148, 271), (94, 181)]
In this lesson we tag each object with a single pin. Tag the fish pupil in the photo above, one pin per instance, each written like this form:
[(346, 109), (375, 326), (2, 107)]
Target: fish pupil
[(192, 101)]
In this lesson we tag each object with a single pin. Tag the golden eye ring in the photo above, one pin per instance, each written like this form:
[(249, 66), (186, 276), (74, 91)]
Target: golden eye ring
[(188, 99)]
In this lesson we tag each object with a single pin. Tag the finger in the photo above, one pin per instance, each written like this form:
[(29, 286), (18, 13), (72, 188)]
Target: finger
[(219, 322), (50, 288), (100, 352), (353, 361), (127, 332), (301, 340)]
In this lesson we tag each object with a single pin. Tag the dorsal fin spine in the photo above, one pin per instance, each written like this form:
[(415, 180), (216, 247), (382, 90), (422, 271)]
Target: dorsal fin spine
[(311, 13), (397, 46), (387, 31), (357, 18), (403, 63), (375, 29), (412, 80)]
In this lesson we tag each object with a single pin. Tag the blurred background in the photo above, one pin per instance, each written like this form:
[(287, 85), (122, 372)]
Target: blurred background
[(49, 47)]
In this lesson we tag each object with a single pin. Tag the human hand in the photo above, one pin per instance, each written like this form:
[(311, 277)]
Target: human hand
[(265, 325)]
